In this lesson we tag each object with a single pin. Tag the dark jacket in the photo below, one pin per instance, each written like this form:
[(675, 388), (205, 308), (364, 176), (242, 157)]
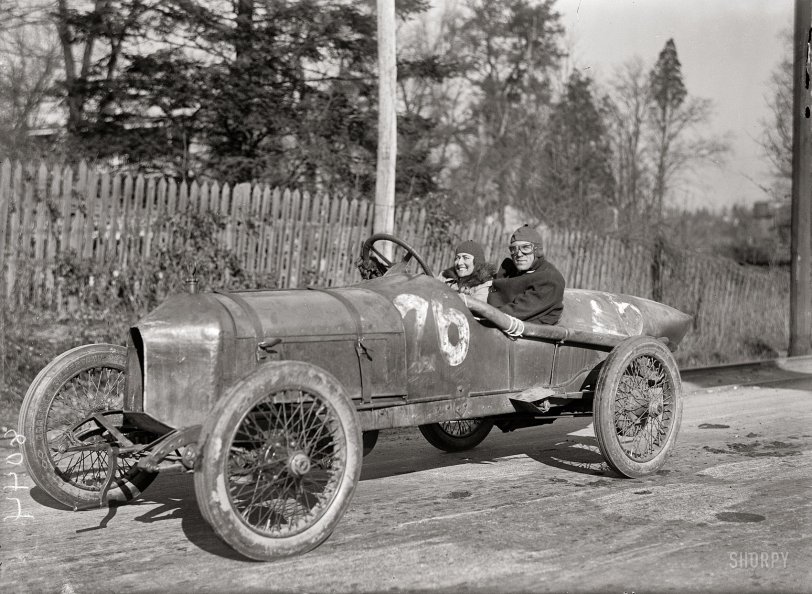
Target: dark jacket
[(534, 296)]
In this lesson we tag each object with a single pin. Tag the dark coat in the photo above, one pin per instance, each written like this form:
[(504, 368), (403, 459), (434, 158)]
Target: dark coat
[(534, 296)]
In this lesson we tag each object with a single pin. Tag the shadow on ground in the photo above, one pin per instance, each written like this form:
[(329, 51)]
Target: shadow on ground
[(560, 445)]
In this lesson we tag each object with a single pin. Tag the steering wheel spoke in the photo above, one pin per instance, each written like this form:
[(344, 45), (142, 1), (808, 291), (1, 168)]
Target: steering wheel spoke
[(368, 248), (384, 260)]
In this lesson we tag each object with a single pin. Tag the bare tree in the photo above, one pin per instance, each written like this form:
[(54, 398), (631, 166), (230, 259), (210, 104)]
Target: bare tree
[(628, 112), (508, 52), (776, 137)]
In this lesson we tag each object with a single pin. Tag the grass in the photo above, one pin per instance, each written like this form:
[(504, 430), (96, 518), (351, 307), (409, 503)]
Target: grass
[(29, 340)]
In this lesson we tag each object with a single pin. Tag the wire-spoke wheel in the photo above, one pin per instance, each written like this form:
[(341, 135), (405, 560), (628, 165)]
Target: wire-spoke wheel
[(68, 456), (281, 458), (638, 406), (458, 435)]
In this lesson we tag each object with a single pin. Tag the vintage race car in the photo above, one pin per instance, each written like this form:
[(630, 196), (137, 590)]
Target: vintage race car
[(272, 397)]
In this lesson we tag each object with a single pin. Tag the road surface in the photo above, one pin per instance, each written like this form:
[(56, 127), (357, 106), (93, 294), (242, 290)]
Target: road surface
[(535, 510)]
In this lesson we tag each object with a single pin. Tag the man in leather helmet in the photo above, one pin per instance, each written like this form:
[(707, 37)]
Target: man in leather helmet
[(527, 286)]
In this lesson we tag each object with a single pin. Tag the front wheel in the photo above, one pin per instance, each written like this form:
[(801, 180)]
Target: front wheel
[(68, 456), (281, 458), (458, 435), (638, 406)]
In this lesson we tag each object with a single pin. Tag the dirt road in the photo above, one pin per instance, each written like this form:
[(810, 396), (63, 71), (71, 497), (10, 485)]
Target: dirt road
[(535, 510)]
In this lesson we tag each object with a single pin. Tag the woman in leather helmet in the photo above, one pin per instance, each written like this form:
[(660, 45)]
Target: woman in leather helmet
[(470, 274)]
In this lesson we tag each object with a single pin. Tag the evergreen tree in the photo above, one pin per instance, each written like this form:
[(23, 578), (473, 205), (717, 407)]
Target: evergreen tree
[(271, 90), (576, 159), (668, 93)]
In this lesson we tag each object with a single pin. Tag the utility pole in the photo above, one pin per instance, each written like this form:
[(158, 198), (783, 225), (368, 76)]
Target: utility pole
[(800, 305), (384, 221)]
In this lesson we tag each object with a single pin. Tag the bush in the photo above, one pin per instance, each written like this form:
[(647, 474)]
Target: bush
[(193, 250)]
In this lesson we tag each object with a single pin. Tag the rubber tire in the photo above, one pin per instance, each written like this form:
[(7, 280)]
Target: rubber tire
[(211, 487), (440, 439), (34, 411), (604, 404), (369, 439)]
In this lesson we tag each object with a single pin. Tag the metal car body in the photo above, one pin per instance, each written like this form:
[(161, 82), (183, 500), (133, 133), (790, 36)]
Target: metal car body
[(396, 343)]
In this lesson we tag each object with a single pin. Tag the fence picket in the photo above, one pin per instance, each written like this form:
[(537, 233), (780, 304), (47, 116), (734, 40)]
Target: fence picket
[(41, 229), (13, 231), (183, 197), (225, 200), (214, 198), (78, 209), (261, 230), (251, 228), (65, 208), (310, 242), (345, 246), (5, 198), (241, 200), (203, 201), (288, 239), (26, 237), (158, 222), (126, 210), (279, 238), (148, 231), (225, 210), (298, 239), (194, 196), (136, 245), (85, 247), (358, 232), (112, 248), (103, 220), (327, 251), (335, 241)]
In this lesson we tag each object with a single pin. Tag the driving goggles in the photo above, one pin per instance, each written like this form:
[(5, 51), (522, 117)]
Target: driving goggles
[(526, 248)]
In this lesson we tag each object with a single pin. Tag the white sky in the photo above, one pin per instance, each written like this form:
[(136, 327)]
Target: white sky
[(727, 48)]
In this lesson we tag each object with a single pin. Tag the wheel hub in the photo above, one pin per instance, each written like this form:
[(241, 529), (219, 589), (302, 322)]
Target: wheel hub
[(299, 464)]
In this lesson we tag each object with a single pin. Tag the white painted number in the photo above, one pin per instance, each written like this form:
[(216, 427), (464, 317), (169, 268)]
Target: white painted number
[(445, 317), (406, 303), (454, 353)]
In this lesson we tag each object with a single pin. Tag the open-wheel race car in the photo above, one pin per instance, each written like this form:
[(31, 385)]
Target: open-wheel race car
[(272, 397)]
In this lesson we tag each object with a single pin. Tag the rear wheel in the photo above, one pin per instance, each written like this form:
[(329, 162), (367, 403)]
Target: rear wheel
[(638, 406), (70, 459), (458, 435), (280, 461)]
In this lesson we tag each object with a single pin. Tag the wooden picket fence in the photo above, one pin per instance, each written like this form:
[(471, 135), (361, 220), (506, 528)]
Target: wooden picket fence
[(294, 238)]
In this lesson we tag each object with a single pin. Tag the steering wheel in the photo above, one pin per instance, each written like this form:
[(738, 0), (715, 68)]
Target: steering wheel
[(368, 248)]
